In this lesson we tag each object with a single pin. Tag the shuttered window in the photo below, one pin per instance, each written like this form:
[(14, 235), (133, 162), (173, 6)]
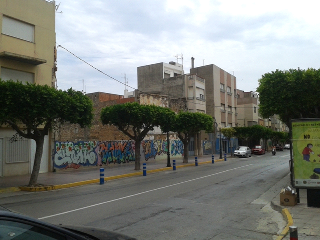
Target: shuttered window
[(17, 150), (17, 29)]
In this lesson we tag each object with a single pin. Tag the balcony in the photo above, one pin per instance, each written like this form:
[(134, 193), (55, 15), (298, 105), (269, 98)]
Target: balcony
[(22, 58)]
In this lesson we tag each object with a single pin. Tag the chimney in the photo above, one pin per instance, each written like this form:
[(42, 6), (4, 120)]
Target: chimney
[(192, 62)]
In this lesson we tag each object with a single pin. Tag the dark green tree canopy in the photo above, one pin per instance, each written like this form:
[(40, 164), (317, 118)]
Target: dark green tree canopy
[(32, 110), (137, 120), (188, 124), (290, 94), (37, 105)]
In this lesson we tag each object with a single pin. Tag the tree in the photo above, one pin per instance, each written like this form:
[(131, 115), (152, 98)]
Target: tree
[(32, 110), (228, 133), (136, 121), (188, 124), (243, 134), (290, 94)]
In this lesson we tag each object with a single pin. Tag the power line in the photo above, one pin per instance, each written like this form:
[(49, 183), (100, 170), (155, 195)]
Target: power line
[(96, 68)]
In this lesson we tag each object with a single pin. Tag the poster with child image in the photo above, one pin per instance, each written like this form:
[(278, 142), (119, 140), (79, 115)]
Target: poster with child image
[(306, 152)]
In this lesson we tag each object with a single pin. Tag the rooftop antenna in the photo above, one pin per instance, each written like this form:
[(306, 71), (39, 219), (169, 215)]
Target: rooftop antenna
[(125, 82), (57, 7), (179, 56)]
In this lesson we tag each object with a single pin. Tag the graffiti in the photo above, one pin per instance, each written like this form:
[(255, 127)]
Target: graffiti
[(116, 152), (74, 155), (16, 137), (153, 148), (176, 148), (93, 153)]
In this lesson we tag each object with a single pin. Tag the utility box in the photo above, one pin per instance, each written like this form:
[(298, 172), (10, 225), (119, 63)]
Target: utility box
[(288, 197)]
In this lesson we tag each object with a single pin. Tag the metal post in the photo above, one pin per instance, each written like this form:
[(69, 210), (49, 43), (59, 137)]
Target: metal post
[(196, 161), (168, 152), (144, 169), (101, 176), (212, 159), (293, 233), (220, 145), (225, 156), (174, 164)]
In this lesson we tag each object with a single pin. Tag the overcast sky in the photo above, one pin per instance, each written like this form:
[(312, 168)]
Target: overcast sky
[(246, 38)]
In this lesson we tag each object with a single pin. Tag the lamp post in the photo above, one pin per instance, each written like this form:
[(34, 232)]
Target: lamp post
[(220, 144), (168, 151)]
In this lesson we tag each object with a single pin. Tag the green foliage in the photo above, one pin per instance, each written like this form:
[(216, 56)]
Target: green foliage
[(137, 120), (37, 105), (257, 132), (290, 94), (190, 123), (228, 132), (32, 110)]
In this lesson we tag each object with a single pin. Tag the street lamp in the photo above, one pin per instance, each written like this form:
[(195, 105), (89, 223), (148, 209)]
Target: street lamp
[(168, 151), (220, 144)]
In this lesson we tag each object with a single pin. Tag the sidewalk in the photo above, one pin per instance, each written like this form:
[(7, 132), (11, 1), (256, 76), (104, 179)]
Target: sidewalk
[(307, 219), (87, 175)]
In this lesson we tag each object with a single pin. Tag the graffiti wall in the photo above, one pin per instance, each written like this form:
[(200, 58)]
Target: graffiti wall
[(92, 153)]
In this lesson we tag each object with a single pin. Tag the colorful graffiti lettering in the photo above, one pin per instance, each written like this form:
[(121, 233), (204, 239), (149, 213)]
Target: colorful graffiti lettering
[(69, 154), (92, 153), (116, 152)]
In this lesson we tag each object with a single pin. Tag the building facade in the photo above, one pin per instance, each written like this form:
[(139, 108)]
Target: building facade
[(27, 54), (247, 109), (220, 91)]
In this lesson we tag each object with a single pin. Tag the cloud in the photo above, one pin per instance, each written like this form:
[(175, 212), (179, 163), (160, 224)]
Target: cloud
[(245, 38)]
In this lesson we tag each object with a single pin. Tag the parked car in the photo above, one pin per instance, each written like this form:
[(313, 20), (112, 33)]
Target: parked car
[(286, 146), (17, 226), (279, 147), (242, 151), (258, 149)]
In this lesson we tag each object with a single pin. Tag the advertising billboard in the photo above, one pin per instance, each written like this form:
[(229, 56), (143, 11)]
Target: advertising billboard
[(306, 152)]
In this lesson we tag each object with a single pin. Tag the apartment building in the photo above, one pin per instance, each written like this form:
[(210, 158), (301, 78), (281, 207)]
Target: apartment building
[(220, 91), (27, 54), (247, 109), (170, 80)]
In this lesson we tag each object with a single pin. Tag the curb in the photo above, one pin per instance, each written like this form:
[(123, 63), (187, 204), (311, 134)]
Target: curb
[(285, 212), (81, 183)]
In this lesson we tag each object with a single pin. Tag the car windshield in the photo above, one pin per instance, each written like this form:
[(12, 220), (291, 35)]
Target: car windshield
[(242, 148), (257, 147)]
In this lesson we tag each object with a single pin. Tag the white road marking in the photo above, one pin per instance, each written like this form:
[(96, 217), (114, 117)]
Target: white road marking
[(140, 193)]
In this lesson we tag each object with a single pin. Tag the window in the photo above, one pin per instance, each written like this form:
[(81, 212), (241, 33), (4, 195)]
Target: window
[(223, 108), (222, 87), (229, 91), (223, 125), (17, 29), (17, 149), (255, 109), (229, 109), (10, 74)]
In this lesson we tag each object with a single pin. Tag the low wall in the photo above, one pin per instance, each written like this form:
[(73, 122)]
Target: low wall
[(93, 153)]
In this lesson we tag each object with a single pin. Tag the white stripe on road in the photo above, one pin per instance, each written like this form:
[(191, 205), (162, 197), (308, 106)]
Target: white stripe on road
[(133, 195)]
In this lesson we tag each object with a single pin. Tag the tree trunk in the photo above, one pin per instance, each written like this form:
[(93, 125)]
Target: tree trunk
[(137, 154), (185, 151), (37, 161)]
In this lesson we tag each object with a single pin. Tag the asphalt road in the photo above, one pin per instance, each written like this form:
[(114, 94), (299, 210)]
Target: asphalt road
[(225, 200)]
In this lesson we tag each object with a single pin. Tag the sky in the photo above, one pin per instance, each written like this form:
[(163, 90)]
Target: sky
[(104, 41)]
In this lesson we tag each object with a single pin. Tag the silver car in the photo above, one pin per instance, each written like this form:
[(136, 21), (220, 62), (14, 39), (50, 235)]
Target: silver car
[(242, 151)]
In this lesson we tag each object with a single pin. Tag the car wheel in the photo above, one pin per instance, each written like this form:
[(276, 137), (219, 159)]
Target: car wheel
[(247, 155)]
